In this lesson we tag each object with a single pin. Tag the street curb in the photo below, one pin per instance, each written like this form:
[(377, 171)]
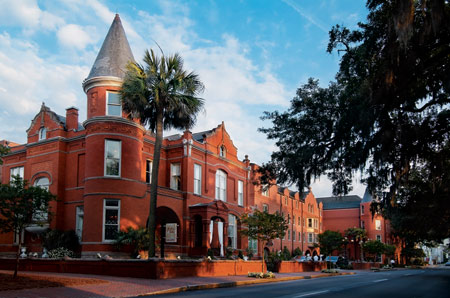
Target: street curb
[(240, 283)]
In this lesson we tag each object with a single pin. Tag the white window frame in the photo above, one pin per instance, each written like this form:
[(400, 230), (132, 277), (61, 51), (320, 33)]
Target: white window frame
[(378, 237), (240, 193), (253, 245), (197, 179), (310, 238), (265, 208), (16, 171), (108, 104), (289, 234), (42, 134), (108, 141), (221, 185), (293, 234), (232, 230), (41, 216), (79, 220), (104, 218), (175, 176), (148, 171), (377, 224), (265, 190), (310, 223), (362, 209), (299, 237)]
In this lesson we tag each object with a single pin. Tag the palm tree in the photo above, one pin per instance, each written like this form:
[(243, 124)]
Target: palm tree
[(357, 236), (162, 95)]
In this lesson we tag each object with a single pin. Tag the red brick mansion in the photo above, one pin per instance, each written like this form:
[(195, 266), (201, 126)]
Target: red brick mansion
[(100, 172)]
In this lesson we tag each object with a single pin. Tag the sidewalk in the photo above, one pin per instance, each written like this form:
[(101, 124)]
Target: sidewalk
[(127, 287)]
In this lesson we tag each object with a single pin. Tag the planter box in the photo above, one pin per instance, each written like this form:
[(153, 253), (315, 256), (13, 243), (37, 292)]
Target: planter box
[(294, 266)]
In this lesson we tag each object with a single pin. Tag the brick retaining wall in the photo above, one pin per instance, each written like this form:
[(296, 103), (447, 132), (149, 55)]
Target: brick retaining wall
[(156, 269)]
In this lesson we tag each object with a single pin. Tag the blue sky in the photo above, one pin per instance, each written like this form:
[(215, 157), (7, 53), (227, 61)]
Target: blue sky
[(251, 55)]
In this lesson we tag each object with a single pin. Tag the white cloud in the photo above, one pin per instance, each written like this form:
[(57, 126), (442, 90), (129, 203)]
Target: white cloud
[(74, 36), (28, 80), (27, 14)]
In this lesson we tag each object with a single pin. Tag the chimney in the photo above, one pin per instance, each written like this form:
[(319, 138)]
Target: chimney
[(72, 119)]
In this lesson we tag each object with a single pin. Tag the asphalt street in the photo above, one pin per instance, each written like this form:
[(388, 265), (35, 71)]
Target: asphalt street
[(398, 283)]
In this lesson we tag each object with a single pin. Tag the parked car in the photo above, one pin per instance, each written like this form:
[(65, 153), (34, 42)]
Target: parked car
[(447, 264), (300, 259)]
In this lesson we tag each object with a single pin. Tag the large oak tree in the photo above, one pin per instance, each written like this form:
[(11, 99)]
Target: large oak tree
[(386, 114)]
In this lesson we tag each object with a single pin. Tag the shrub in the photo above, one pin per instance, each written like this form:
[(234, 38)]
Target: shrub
[(297, 252), (54, 239), (249, 252), (228, 253), (268, 274), (285, 254), (330, 270), (210, 253), (273, 261), (60, 252), (240, 255), (139, 239)]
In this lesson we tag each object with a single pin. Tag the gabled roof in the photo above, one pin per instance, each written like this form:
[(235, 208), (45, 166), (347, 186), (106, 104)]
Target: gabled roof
[(114, 54), (55, 117), (200, 136), (344, 202)]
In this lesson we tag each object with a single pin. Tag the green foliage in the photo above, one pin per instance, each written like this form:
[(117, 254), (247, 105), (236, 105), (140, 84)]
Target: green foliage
[(139, 239), (261, 274), (389, 250), (240, 255), (387, 114), (297, 252), (53, 239), (355, 234), (263, 225), (374, 248), (249, 252), (285, 254), (60, 252), (330, 241), (162, 95), (228, 252), (19, 202), (273, 261), (3, 151)]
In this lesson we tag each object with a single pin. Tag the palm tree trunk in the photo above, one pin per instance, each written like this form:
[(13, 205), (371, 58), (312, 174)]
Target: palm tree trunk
[(154, 183)]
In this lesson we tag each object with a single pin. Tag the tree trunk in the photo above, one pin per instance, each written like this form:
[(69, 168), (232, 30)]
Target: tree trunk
[(263, 257), (16, 268), (362, 252), (154, 183)]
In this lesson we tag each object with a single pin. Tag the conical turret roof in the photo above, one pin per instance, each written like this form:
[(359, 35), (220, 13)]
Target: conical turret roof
[(114, 54), (367, 198)]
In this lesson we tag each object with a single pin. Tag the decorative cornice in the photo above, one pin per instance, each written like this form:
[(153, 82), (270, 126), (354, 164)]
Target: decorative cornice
[(100, 82), (112, 119)]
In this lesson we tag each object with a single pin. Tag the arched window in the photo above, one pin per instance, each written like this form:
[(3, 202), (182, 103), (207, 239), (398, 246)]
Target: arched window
[(223, 151), (42, 133), (42, 182), (221, 185), (41, 216)]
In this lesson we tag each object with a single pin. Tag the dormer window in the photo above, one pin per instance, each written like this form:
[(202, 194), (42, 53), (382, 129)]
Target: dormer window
[(114, 106), (42, 133), (223, 151)]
